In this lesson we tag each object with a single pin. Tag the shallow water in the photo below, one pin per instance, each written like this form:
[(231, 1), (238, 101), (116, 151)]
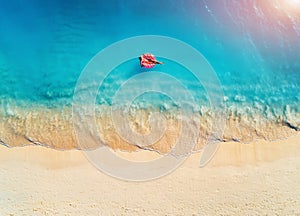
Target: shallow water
[(253, 46)]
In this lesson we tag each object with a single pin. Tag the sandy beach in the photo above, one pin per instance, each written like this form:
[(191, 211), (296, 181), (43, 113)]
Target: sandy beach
[(87, 84), (259, 178)]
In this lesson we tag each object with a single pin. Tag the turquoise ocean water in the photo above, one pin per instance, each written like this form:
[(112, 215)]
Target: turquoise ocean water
[(254, 48)]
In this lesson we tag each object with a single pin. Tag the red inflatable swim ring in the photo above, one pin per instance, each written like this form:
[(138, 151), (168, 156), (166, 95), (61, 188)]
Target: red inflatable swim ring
[(148, 60)]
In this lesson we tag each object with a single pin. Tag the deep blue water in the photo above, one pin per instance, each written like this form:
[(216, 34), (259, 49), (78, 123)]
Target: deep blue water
[(44, 46)]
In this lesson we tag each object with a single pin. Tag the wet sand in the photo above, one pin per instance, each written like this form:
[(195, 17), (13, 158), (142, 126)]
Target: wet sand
[(54, 128)]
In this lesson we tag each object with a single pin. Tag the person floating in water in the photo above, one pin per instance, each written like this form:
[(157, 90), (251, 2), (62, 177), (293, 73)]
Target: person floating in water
[(148, 60)]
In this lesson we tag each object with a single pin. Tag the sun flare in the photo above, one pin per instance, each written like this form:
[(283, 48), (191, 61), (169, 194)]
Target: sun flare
[(294, 4)]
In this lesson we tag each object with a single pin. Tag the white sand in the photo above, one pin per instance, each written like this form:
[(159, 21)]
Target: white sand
[(260, 178)]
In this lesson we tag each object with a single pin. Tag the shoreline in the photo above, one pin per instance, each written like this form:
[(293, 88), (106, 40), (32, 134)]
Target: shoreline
[(54, 128), (229, 153)]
